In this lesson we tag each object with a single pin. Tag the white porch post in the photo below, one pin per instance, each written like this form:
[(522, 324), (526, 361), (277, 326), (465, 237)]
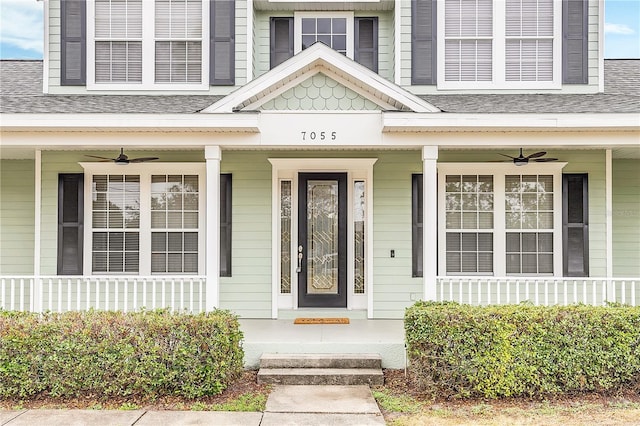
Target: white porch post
[(36, 297), (213, 155), (608, 197), (429, 221)]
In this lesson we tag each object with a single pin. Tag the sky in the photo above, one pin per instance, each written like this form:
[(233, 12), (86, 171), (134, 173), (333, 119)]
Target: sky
[(21, 29)]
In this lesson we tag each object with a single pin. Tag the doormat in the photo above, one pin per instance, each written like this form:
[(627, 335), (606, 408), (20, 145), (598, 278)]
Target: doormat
[(321, 321)]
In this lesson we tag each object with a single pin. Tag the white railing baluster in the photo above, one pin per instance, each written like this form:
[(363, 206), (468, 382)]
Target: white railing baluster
[(584, 292), (69, 299), (144, 292), (107, 288), (633, 293), (623, 283), (191, 296), (450, 290), (59, 285), (537, 290), (488, 292), (135, 295), (182, 305), (173, 295), (164, 303), (153, 293), (125, 296), (498, 292), (78, 294)]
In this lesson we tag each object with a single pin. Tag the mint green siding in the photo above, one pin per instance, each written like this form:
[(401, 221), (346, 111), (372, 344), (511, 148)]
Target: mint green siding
[(626, 218), (248, 291), (394, 287), (319, 93), (17, 216)]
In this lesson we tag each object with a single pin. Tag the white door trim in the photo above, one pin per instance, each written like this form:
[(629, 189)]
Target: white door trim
[(357, 169)]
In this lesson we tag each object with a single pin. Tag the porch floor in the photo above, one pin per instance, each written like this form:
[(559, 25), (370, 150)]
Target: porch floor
[(384, 337)]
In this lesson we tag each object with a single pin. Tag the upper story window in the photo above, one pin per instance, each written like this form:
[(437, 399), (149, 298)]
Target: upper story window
[(333, 29), (146, 44), (499, 44), (356, 38)]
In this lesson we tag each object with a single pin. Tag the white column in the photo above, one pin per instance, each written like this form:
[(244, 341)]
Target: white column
[(429, 221), (213, 155), (608, 201), (36, 297)]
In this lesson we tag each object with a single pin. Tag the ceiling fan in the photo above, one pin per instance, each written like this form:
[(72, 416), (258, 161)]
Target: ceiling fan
[(521, 160), (123, 159)]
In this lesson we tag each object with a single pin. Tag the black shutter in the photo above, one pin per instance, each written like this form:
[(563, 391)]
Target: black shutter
[(575, 225), (222, 50), (73, 57), (366, 42), (575, 27), (70, 223), (417, 213), (225, 225), (423, 41), (281, 40)]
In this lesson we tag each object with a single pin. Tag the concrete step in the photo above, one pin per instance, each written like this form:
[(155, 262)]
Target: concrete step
[(321, 376), (366, 360)]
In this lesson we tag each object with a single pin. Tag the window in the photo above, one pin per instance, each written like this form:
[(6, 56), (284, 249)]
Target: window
[(145, 221), (495, 221), (115, 223), (178, 45), (174, 223), (118, 41), (146, 44), (529, 224), (487, 44), (331, 31), (356, 38), (469, 223)]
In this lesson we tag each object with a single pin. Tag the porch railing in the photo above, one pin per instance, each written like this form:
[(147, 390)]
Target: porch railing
[(538, 290), (123, 293)]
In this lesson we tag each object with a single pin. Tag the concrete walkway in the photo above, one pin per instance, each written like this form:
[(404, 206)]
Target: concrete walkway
[(286, 405)]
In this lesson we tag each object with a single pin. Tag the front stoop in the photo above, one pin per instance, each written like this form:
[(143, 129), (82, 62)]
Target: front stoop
[(321, 369)]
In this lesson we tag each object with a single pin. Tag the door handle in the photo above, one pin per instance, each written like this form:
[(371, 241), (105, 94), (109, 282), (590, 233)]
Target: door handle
[(300, 256)]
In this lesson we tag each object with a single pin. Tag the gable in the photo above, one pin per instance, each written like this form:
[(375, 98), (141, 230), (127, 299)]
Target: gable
[(331, 73), (320, 93)]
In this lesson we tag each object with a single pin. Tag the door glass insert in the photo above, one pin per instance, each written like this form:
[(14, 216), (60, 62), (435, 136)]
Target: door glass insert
[(322, 236), (358, 236), (285, 236)]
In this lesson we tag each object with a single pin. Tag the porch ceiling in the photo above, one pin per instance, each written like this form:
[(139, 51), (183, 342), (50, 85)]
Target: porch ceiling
[(28, 153)]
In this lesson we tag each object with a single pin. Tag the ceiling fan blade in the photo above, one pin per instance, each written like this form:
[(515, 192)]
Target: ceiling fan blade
[(100, 158), (536, 154), (544, 160), (142, 160), (508, 156)]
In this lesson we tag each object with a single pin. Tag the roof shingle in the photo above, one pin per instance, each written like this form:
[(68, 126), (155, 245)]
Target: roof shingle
[(21, 92)]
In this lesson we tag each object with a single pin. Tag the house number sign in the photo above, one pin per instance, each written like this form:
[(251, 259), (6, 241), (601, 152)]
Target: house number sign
[(318, 136)]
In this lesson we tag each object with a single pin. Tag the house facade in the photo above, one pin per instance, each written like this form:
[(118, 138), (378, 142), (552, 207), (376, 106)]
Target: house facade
[(323, 157)]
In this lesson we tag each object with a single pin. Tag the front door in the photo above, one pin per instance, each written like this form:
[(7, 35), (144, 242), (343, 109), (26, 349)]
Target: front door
[(322, 242)]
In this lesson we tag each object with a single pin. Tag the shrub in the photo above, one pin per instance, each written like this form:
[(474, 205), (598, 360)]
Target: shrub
[(98, 354), (522, 350)]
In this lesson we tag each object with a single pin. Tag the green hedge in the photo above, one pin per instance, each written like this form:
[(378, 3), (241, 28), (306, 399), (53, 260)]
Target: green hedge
[(522, 350), (100, 354)]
